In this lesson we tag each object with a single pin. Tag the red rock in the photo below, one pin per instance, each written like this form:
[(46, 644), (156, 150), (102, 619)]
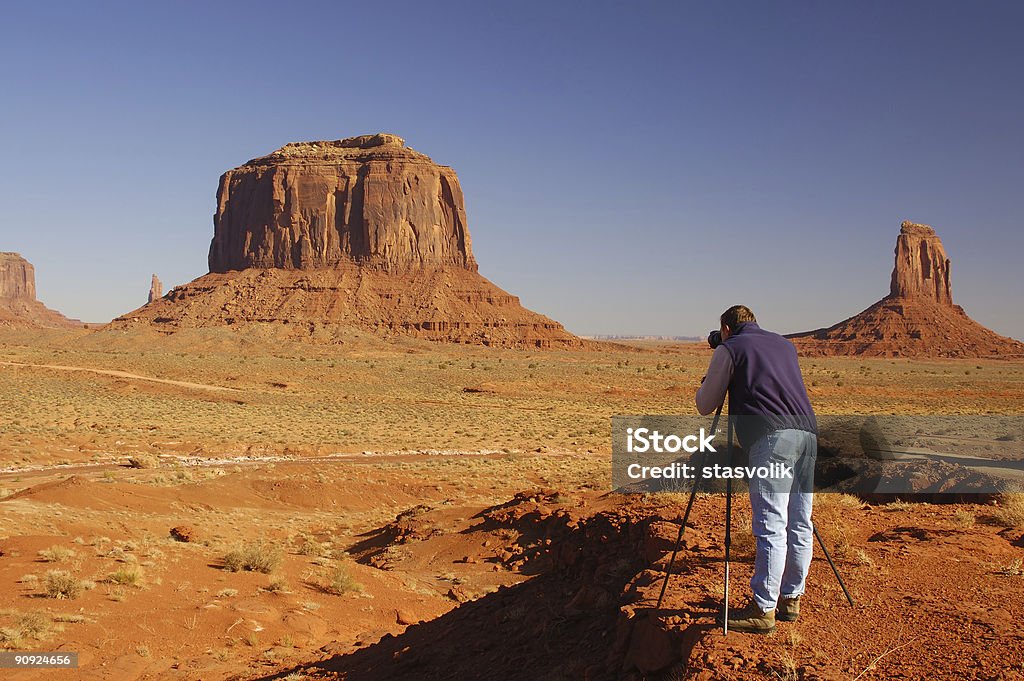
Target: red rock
[(406, 618), (360, 233), (917, 318), (922, 269), (184, 533), (651, 647), (365, 199), (156, 289), (18, 304)]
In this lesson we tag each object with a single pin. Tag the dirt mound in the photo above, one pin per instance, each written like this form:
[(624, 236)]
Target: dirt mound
[(590, 613), (917, 318), (439, 304), (560, 624)]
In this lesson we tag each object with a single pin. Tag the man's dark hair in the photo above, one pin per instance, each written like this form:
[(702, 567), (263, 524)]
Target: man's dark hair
[(736, 315)]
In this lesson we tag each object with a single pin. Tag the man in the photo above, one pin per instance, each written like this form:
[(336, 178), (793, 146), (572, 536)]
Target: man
[(775, 423)]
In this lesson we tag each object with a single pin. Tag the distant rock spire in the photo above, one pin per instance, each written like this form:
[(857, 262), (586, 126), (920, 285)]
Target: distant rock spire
[(156, 289), (917, 318)]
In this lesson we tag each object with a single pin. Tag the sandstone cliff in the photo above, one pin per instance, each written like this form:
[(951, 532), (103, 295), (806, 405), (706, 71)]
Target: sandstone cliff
[(917, 318), (319, 238), (18, 304), (922, 268), (366, 199)]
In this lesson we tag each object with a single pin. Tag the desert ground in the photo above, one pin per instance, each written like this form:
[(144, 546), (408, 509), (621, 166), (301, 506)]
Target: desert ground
[(218, 504)]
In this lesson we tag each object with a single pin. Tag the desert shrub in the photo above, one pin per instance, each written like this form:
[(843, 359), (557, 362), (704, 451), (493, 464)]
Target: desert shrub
[(61, 584), (1010, 511), (32, 626), (258, 557), (278, 585), (1015, 568), (56, 554), (340, 582), (964, 518), (127, 575)]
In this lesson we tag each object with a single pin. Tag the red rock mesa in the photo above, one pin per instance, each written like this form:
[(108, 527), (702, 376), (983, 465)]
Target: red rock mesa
[(18, 304), (362, 232)]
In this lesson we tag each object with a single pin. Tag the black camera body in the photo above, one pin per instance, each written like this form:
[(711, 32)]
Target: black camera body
[(715, 338)]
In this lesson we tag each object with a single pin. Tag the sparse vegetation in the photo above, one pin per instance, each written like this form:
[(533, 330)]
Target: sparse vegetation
[(61, 584), (1010, 510), (964, 518), (56, 554), (258, 557), (127, 575), (1015, 568), (26, 627), (278, 585), (339, 582)]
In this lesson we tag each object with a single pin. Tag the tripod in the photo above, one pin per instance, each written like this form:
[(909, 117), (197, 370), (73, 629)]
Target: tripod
[(728, 530)]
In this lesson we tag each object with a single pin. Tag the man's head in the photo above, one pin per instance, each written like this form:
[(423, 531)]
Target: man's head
[(733, 317)]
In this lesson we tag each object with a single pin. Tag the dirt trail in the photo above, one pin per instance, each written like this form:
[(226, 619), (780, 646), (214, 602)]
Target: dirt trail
[(123, 374)]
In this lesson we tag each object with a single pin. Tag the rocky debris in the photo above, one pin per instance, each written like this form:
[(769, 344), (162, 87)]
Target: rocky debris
[(18, 304), (156, 289), (185, 533), (917, 318), (322, 238), (144, 460)]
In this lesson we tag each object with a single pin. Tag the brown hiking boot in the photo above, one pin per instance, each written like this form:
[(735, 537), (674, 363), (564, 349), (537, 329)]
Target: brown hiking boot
[(788, 609), (753, 620)]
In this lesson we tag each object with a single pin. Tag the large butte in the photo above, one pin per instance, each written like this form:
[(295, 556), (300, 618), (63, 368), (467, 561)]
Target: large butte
[(362, 232)]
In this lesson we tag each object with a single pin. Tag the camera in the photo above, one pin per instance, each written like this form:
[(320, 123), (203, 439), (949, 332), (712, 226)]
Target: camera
[(715, 338)]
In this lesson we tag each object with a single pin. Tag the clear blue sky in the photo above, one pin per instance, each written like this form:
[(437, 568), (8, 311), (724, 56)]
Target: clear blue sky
[(628, 167)]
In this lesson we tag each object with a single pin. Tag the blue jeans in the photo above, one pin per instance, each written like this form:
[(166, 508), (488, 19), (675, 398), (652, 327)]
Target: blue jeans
[(781, 520)]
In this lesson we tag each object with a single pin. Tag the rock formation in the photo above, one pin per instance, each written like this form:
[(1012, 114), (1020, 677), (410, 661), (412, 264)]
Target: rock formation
[(367, 199), (922, 269), (156, 289), (18, 304), (917, 318), (362, 232)]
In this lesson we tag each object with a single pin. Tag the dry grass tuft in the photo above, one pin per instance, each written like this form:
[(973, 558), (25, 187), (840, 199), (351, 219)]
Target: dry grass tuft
[(964, 518), (340, 582), (278, 585), (61, 584), (1010, 511), (32, 626), (56, 554), (127, 575), (258, 557)]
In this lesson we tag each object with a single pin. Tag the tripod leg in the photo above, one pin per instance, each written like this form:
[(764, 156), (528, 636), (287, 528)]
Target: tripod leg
[(831, 563), (728, 535), (686, 515), (675, 549)]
